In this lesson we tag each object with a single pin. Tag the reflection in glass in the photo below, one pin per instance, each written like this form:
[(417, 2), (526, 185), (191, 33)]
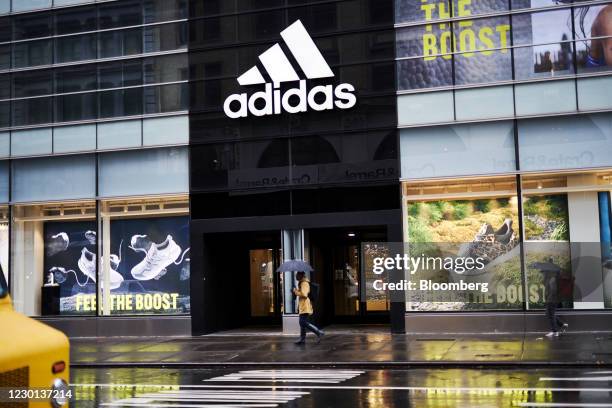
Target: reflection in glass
[(51, 257), (263, 288), (76, 48)]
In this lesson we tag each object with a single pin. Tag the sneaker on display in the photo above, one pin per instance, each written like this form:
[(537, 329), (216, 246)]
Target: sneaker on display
[(57, 243), (552, 334), (157, 258), (87, 265)]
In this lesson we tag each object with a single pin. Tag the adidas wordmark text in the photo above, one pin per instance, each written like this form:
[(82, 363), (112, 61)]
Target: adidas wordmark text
[(271, 101), (274, 104)]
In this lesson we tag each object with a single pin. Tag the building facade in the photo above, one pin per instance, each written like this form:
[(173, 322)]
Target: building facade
[(160, 159)]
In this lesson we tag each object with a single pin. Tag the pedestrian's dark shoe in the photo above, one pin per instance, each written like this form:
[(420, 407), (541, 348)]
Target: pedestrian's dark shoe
[(300, 342), (320, 336)]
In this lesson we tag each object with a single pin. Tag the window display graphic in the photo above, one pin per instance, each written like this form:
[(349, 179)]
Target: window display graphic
[(481, 45), (150, 275), (69, 261), (592, 23), (154, 266), (546, 221), (484, 229), (543, 41)]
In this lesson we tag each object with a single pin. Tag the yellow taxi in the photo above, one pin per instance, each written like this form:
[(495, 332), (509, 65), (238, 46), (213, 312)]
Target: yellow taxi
[(33, 359)]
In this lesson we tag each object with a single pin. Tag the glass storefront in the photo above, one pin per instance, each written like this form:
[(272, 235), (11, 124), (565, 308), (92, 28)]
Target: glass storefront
[(136, 257), (562, 223)]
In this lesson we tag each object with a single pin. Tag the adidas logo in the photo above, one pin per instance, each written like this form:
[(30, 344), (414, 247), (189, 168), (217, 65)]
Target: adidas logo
[(271, 101)]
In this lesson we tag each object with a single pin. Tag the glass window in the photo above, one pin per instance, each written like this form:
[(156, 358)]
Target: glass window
[(165, 10), (5, 114), (165, 37), (551, 33), (119, 74), (149, 267), (168, 68), (5, 6), (119, 43), (123, 134), (593, 53), (166, 98), (568, 239), (545, 97), (19, 5), (429, 107), (484, 229), (5, 56), (5, 86), (54, 178), (32, 83), (69, 139), (5, 144), (31, 142), (5, 28), (69, 2), (158, 171), (32, 111), (163, 131), (483, 103), (32, 53), (4, 198), (594, 93), (76, 79), (581, 141), (54, 258), (76, 48), (75, 20), (417, 10), (122, 102), (475, 41), (120, 14), (76, 107), (435, 68), (31, 25), (484, 148), (428, 10)]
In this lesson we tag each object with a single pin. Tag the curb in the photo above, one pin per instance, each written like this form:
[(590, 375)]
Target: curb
[(351, 364)]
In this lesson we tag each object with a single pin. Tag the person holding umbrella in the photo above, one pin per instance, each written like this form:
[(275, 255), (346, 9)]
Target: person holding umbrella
[(304, 295), (551, 284)]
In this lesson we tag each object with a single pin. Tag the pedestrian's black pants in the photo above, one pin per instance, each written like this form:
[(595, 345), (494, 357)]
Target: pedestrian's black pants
[(306, 325), (553, 319)]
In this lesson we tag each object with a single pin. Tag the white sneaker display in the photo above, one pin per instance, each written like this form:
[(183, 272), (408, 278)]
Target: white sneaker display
[(552, 334), (58, 243), (87, 265), (90, 236), (158, 257)]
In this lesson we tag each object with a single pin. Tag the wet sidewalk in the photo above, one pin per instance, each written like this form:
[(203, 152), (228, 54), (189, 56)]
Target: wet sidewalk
[(363, 348)]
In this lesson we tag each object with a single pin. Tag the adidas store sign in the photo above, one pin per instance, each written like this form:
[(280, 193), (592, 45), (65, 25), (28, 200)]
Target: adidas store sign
[(271, 101)]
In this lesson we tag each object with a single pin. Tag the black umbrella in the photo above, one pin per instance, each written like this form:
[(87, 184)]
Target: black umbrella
[(295, 265)]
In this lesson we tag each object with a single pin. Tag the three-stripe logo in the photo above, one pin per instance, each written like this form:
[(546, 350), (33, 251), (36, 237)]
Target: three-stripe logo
[(278, 67)]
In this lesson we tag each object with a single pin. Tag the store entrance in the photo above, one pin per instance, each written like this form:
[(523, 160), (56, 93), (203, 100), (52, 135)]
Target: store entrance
[(336, 257), (242, 286)]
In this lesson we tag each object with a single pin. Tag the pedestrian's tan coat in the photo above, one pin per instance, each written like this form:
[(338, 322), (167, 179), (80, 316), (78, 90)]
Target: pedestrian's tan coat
[(304, 304)]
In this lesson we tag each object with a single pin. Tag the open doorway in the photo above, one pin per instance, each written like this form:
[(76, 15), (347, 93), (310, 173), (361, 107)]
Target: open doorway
[(242, 287), (335, 254)]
